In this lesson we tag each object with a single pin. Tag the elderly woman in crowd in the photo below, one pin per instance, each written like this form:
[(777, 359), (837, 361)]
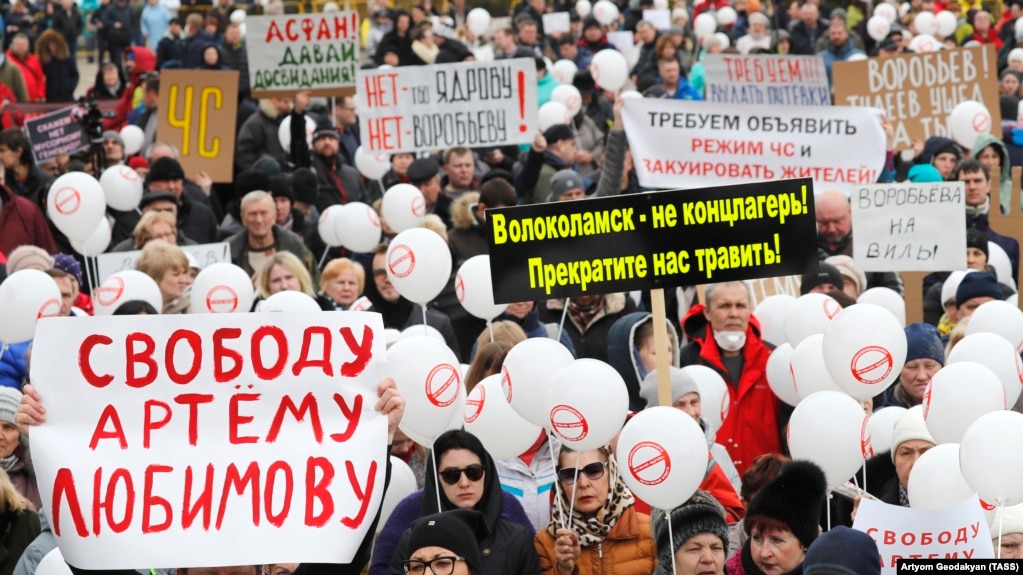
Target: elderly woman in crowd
[(924, 357), (699, 537), (341, 285), (169, 268)]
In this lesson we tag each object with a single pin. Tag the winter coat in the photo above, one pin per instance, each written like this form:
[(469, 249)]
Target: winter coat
[(533, 184), (123, 15), (13, 370), (22, 222), (610, 182), (258, 136), (61, 80), (154, 23), (236, 57), (628, 549), (11, 76), (623, 354), (195, 220), (34, 187), (145, 63), (24, 478), (1005, 176), (284, 241), (591, 340), (754, 422), (32, 72), (532, 484), (837, 54), (804, 42), (21, 529), (34, 553), (1010, 245), (468, 236), (533, 327), (67, 23), (196, 45), (337, 182), (589, 137), (170, 49), (402, 45)]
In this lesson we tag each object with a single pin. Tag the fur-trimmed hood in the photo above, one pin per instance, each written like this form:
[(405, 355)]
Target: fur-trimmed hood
[(462, 216)]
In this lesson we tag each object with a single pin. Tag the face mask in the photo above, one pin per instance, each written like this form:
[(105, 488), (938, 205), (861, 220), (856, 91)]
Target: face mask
[(730, 340)]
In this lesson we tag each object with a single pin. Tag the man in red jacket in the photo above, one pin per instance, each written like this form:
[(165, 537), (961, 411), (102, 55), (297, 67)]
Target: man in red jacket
[(724, 337), (35, 80), (139, 62), (22, 223)]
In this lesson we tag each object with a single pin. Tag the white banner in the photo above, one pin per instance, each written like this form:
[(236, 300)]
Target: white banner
[(293, 52), (473, 104), (766, 79), (205, 255), (958, 532), (208, 440), (909, 227), (681, 144)]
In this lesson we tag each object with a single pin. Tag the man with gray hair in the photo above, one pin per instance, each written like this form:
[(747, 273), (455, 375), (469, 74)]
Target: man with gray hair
[(252, 247), (726, 338), (757, 36)]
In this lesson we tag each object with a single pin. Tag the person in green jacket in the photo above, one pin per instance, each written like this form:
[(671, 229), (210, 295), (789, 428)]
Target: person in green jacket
[(10, 76), (990, 151)]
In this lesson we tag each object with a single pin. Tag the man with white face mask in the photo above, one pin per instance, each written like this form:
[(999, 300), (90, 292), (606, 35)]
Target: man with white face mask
[(758, 35), (725, 338)]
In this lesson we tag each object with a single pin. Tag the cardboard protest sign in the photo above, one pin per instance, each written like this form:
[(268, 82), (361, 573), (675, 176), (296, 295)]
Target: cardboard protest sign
[(294, 52), (958, 532), (205, 255), (766, 79), (654, 240), (679, 144), (473, 104), (56, 133), (172, 439), (919, 91), (909, 227), (197, 114)]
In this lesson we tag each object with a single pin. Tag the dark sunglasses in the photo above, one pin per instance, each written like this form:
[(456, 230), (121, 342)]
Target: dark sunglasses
[(593, 472), (451, 475)]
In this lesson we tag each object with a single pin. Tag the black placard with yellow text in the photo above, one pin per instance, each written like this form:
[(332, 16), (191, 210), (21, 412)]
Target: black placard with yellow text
[(652, 240)]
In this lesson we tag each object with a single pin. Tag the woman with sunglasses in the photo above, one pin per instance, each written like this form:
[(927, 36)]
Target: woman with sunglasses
[(446, 544), (468, 480), (604, 533)]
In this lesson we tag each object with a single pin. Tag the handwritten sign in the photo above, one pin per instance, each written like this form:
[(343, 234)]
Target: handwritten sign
[(766, 79), (172, 439), (909, 227), (56, 133), (197, 114), (919, 91), (556, 22), (958, 532), (655, 240), (295, 52), (473, 104), (621, 40), (714, 144), (205, 255)]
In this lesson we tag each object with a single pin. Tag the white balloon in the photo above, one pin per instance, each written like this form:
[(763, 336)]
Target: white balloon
[(704, 25), (222, 288), (727, 16), (958, 394), (238, 16), (605, 12), (357, 227), (856, 57), (882, 427), (967, 121), (925, 24), (625, 95), (551, 114), (770, 312), (289, 301), (401, 485), (284, 132), (418, 264), (999, 260), (888, 299), (372, 166), (478, 21), (609, 69), (457, 421), (26, 296), (53, 564), (583, 8), (864, 350), (809, 370), (924, 43), (97, 243), (947, 23), (564, 71), (474, 288), (330, 7), (527, 373), (134, 138), (327, 226), (125, 286), (1000, 318), (503, 432), (568, 96), (715, 398), (809, 315), (991, 457), (242, 29), (723, 39), (779, 374), (830, 429), (404, 207), (587, 403), (886, 11), (662, 456), (76, 204), (935, 481), (878, 27), (122, 187), (426, 373), (997, 354), (422, 330), (660, 4)]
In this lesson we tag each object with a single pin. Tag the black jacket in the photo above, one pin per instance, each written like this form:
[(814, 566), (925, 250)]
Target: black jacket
[(61, 80), (195, 220), (337, 182), (67, 22), (170, 50), (802, 42), (237, 58)]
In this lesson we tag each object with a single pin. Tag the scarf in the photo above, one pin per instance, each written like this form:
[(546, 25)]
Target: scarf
[(582, 316), (593, 530), (981, 210), (8, 463), (903, 496)]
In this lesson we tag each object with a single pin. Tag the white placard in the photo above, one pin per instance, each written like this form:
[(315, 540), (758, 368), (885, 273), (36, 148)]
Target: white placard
[(909, 227), (555, 22), (766, 79), (205, 255), (621, 40), (661, 19), (472, 104), (293, 52), (682, 144), (220, 439), (958, 532)]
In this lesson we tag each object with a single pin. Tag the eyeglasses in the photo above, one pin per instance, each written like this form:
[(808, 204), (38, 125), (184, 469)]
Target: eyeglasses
[(593, 472), (438, 565), (452, 475)]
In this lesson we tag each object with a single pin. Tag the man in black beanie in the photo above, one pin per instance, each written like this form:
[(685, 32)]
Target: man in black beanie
[(824, 278), (195, 220), (551, 152), (444, 541), (337, 182)]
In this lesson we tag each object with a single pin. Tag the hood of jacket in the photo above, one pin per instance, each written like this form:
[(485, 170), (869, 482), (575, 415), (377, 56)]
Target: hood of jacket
[(462, 216), (695, 325), (932, 146), (145, 61), (624, 357), (985, 140), (491, 505)]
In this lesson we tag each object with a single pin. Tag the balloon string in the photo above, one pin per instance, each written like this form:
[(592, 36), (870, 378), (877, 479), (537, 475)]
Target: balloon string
[(3, 349), (571, 502), (829, 511), (864, 476), (323, 258), (94, 277), (426, 331), (490, 325), (1001, 516), (433, 453), (564, 314), (671, 542), (557, 484)]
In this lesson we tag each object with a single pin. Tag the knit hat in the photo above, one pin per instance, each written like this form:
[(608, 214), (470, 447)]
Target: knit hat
[(459, 531), (951, 285), (847, 267), (924, 342), (824, 274), (794, 498), (267, 165), (681, 384), (557, 133), (280, 187), (164, 169), (10, 398), (980, 284), (112, 135), (1015, 55), (590, 22), (250, 181), (701, 514), (28, 257), (136, 162), (1012, 521), (564, 181), (909, 427), (924, 174), (325, 129), (843, 551), (303, 185), (977, 239), (68, 264)]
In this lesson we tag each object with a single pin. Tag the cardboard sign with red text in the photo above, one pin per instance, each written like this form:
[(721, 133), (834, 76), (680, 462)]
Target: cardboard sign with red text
[(294, 52), (958, 532), (208, 440), (766, 79), (472, 104)]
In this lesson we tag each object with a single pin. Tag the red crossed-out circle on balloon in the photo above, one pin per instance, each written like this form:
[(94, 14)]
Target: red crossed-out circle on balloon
[(110, 292), (871, 364), (128, 173), (67, 201), (50, 308), (506, 383), (981, 122), (373, 217), (460, 288), (927, 399), (831, 308), (474, 404), (866, 445), (649, 463), (442, 385), (401, 261), (569, 422), (418, 206), (221, 299)]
